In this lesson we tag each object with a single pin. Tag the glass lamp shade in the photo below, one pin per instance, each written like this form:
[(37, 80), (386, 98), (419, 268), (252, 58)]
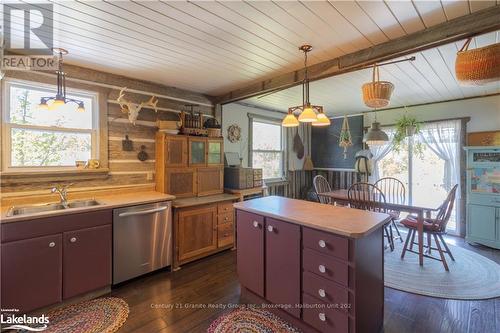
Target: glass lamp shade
[(56, 104), (43, 106), (308, 115), (81, 108), (290, 121), (322, 120), (375, 136)]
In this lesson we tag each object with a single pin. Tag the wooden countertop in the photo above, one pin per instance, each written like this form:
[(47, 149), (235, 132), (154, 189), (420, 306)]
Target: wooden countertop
[(108, 201), (349, 222), (196, 201)]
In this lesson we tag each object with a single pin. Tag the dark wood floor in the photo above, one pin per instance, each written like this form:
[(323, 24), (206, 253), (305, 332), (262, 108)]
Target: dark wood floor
[(214, 281)]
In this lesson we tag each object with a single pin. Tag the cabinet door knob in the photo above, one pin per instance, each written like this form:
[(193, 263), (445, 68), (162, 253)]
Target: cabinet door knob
[(225, 219), (322, 268), (52, 244), (322, 243), (255, 224), (270, 228), (322, 293), (72, 239), (322, 316)]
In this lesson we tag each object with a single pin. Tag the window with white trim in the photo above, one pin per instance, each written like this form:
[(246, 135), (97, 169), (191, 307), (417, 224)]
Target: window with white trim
[(267, 148), (35, 139)]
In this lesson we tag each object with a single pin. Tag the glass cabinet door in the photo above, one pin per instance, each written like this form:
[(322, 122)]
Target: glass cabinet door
[(214, 152), (197, 154)]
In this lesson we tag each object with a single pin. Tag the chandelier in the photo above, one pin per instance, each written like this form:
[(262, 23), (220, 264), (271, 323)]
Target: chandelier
[(308, 113), (60, 98)]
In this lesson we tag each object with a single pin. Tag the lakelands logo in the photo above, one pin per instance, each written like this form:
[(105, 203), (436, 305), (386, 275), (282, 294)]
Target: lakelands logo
[(28, 37), (24, 322)]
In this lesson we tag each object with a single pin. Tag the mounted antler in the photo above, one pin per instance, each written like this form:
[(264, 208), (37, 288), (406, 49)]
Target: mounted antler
[(133, 109)]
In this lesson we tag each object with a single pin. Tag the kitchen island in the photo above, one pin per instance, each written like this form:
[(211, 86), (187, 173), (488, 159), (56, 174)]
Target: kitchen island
[(320, 267)]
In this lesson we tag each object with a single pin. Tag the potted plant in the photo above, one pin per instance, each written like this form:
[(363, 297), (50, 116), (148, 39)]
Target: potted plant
[(407, 126)]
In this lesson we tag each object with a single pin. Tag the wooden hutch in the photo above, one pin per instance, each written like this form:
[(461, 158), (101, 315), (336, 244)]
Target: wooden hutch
[(192, 169)]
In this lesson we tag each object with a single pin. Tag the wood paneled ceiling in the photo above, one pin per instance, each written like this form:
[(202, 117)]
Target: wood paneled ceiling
[(430, 78), (212, 47)]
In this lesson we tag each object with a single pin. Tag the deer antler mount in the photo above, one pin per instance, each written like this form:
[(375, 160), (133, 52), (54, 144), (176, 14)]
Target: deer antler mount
[(133, 109)]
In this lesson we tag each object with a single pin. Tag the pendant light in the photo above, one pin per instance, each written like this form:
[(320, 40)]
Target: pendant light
[(375, 136), (60, 99), (308, 113)]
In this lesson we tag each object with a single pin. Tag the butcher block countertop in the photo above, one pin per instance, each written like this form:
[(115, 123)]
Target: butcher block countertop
[(349, 222), (197, 201), (107, 201)]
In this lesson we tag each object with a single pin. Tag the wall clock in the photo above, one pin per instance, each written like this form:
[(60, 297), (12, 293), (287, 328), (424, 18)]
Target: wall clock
[(234, 133)]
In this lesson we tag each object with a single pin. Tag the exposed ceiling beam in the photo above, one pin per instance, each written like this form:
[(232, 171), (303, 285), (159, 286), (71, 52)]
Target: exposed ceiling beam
[(459, 28)]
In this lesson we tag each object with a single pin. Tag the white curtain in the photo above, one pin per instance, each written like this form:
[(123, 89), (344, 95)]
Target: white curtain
[(443, 138), (379, 152)]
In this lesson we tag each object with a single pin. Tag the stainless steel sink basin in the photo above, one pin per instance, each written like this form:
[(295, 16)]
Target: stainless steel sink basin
[(33, 209)]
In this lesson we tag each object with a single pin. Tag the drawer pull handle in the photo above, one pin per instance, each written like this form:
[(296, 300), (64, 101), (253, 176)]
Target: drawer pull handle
[(52, 244), (255, 224), (322, 316), (321, 293), (73, 240), (321, 243), (225, 219), (270, 228), (322, 268)]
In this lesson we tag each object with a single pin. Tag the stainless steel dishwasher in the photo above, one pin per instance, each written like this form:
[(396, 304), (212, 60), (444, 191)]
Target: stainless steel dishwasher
[(142, 240)]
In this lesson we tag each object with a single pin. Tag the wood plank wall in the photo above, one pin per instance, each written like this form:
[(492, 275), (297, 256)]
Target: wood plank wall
[(300, 182), (124, 167)]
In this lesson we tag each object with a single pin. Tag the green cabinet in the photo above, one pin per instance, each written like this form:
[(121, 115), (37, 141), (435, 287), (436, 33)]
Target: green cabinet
[(484, 222)]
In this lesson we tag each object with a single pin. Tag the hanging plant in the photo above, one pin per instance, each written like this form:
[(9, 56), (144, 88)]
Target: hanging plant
[(345, 138), (406, 127)]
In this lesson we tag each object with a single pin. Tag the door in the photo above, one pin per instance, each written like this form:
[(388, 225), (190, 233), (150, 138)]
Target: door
[(180, 182), (31, 273), (196, 232), (176, 151), (86, 260), (210, 181), (283, 264), (197, 151), (250, 254), (214, 152), (481, 221)]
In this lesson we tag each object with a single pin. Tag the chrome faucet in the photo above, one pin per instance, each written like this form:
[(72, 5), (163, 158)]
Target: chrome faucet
[(62, 190)]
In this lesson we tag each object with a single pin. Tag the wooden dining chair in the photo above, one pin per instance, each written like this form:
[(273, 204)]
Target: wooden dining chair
[(435, 227), (394, 192), (321, 185), (369, 197)]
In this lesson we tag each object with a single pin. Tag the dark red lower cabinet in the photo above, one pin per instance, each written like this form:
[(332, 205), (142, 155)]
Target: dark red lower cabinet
[(250, 256), (31, 273), (283, 265), (86, 260)]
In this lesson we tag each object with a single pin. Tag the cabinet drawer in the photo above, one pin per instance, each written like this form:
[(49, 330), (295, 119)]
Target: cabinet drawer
[(324, 290), (323, 317), (326, 243), (325, 266), (225, 234), (225, 218), (225, 207)]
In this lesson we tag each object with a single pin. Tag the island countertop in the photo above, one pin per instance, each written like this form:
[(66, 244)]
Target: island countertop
[(344, 221)]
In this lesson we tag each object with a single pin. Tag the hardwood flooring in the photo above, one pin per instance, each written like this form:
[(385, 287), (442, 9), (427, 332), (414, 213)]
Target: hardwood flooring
[(173, 302)]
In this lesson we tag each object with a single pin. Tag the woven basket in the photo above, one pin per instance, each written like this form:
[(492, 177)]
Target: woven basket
[(214, 132), (478, 66), (377, 94)]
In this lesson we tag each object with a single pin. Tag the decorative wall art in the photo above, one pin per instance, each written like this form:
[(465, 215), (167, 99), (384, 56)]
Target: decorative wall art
[(234, 133)]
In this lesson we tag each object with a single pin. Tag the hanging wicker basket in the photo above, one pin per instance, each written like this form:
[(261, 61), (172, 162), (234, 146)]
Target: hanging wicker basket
[(478, 66), (377, 94)]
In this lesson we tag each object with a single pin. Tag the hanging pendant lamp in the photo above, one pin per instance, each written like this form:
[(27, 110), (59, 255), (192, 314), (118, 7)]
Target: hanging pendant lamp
[(375, 136), (308, 113), (60, 99)]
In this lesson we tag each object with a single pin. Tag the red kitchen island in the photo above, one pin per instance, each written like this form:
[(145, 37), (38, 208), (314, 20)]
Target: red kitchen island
[(319, 267)]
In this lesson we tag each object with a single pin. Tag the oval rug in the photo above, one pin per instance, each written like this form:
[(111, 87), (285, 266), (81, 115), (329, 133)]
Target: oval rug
[(471, 275), (100, 315), (250, 320)]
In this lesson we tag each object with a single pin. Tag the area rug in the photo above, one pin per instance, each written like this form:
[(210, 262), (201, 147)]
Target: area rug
[(250, 320), (471, 275), (100, 315)]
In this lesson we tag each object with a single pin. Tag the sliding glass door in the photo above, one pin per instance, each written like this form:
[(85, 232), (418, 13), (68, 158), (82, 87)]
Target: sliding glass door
[(426, 172)]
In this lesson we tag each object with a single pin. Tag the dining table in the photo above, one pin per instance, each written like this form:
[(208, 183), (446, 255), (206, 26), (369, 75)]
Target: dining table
[(341, 197)]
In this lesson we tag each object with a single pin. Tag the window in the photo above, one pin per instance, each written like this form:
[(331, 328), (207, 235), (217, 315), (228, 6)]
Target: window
[(267, 148), (36, 139)]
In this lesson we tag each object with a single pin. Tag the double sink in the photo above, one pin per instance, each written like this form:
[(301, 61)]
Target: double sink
[(33, 209)]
